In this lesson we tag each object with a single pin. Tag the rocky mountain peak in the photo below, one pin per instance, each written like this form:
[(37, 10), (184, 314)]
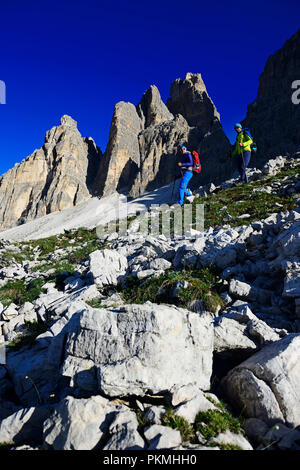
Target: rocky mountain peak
[(68, 121), (143, 143), (54, 177), (189, 98), (151, 108), (273, 117)]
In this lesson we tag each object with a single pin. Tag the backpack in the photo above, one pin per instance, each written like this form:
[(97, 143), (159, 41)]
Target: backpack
[(196, 162), (253, 145)]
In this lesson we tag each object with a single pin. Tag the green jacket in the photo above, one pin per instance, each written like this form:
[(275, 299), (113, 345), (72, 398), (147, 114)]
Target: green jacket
[(245, 140)]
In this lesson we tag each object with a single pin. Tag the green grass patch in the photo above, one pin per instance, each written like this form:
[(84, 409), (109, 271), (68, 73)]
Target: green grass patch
[(48, 245), (20, 292), (202, 284), (141, 420), (242, 199), (33, 330), (7, 445), (95, 303), (216, 422), (81, 254), (177, 422)]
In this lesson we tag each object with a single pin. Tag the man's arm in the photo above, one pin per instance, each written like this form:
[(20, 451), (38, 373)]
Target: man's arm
[(189, 161)]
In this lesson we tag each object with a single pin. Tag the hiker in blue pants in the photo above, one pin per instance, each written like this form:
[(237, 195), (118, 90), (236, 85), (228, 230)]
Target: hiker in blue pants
[(186, 166)]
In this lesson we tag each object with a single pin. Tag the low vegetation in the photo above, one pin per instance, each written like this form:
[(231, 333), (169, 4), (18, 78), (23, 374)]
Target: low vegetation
[(177, 422), (32, 331), (201, 284), (213, 422), (20, 291), (227, 205), (209, 423)]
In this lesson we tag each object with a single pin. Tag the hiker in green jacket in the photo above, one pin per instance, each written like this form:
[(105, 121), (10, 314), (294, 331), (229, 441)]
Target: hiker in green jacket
[(242, 148)]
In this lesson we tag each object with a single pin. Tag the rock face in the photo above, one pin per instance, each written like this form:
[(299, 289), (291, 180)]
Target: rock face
[(78, 424), (190, 99), (138, 349), (266, 385), (144, 140), (273, 118), (56, 176)]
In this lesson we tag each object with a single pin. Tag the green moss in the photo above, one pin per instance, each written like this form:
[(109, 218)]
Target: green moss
[(174, 421)]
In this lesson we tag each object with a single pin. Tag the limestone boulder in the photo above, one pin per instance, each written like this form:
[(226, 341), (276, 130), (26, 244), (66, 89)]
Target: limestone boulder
[(139, 349), (266, 385)]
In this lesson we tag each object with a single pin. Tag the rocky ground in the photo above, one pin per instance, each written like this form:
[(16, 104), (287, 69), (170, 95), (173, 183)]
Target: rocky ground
[(148, 342)]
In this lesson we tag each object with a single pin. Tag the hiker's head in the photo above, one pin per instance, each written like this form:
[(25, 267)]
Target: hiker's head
[(183, 149), (238, 127)]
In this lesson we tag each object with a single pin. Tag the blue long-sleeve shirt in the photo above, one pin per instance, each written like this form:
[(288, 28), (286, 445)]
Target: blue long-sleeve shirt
[(187, 161)]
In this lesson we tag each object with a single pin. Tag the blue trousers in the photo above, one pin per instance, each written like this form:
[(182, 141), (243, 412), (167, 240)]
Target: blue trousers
[(187, 175), (242, 165)]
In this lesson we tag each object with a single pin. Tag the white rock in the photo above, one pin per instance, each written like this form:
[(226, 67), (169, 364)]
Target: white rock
[(77, 424), (9, 312), (13, 324), (107, 267), (162, 437), (191, 408), (261, 332), (154, 414), (267, 384), (160, 264), (229, 437), (292, 280), (142, 348), (231, 335), (239, 289), (26, 308), (125, 435), (25, 425), (181, 394)]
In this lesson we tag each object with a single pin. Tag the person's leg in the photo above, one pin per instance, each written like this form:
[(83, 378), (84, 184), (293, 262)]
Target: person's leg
[(186, 178), (181, 190), (247, 157), (187, 175), (240, 166)]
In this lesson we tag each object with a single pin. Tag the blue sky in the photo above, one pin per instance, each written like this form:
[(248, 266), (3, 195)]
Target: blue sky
[(81, 57)]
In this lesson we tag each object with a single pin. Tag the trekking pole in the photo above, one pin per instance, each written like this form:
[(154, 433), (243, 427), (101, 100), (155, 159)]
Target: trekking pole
[(173, 187), (64, 297)]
